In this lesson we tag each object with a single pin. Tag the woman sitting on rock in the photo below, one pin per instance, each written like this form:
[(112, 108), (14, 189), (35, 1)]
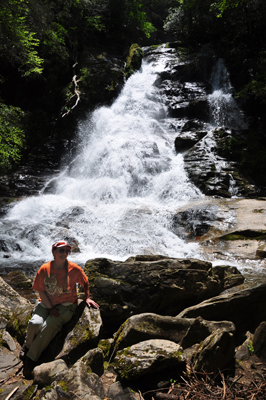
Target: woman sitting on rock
[(56, 283)]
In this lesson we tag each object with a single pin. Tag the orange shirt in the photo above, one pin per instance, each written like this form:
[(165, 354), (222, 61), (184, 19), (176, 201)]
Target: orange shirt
[(53, 281)]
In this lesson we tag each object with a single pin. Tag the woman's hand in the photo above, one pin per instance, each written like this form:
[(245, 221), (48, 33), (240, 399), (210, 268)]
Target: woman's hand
[(92, 303)]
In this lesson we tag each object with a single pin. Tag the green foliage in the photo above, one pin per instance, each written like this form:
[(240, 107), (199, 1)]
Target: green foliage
[(199, 17), (17, 42), (223, 5), (128, 17), (256, 88), (11, 136), (236, 29), (220, 5), (95, 23), (250, 347)]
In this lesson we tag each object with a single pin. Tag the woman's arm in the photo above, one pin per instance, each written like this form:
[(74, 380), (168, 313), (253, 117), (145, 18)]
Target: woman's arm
[(90, 302)]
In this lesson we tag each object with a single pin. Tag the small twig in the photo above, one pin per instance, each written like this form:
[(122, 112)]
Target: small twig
[(224, 387), (171, 388), (185, 381), (11, 394), (140, 395)]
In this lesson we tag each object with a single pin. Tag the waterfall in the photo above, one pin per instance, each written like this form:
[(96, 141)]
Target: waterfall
[(224, 110), (232, 186), (118, 196)]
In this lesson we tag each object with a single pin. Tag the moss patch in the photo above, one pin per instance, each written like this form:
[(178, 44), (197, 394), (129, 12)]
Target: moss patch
[(134, 59)]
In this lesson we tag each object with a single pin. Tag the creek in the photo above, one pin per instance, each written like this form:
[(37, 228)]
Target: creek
[(118, 195)]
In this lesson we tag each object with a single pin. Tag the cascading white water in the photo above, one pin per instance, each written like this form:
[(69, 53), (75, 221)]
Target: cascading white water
[(223, 107), (118, 196)]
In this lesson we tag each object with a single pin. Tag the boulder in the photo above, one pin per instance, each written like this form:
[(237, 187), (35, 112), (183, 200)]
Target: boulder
[(45, 374), (19, 390), (77, 337), (106, 346), (148, 326), (147, 357), (215, 353), (261, 250), (8, 340), (183, 331), (154, 284), (245, 308), (194, 222), (55, 391), (9, 361), (82, 384), (18, 321), (134, 59), (259, 341), (69, 384), (18, 279), (244, 351), (10, 300), (200, 329), (117, 392), (93, 359)]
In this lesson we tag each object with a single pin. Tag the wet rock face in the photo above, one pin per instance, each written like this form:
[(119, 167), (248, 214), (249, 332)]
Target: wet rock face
[(153, 284), (212, 173), (194, 222), (208, 126)]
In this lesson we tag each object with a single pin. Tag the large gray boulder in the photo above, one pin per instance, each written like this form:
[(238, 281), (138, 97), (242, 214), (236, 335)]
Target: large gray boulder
[(185, 331), (81, 383), (147, 357), (154, 284), (73, 383), (245, 308), (46, 373), (10, 300), (148, 326)]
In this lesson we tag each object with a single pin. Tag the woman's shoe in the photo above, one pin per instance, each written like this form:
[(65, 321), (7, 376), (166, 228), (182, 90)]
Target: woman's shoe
[(29, 365)]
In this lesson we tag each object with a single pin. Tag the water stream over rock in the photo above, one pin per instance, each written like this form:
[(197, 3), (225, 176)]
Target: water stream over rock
[(120, 193)]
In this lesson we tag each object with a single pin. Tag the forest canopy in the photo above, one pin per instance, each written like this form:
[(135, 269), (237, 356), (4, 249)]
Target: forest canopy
[(41, 40)]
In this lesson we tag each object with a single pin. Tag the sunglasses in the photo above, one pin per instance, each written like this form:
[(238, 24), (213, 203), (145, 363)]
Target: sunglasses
[(64, 251)]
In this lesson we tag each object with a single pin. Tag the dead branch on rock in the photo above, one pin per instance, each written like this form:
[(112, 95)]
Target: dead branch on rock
[(76, 94)]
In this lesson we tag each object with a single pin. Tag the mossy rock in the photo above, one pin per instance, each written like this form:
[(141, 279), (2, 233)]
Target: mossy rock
[(18, 323), (134, 60)]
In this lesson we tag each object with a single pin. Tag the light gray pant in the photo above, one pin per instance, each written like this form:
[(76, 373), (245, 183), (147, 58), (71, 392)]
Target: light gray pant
[(43, 327)]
